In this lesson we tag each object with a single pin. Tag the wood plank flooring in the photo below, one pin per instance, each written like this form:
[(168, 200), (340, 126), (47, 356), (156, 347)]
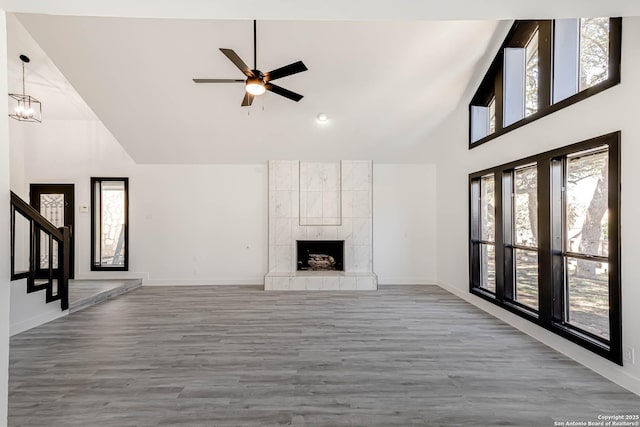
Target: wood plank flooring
[(220, 356)]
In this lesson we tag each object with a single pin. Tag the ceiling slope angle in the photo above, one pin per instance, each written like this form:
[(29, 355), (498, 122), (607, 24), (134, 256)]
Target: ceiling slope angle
[(43, 79), (386, 85)]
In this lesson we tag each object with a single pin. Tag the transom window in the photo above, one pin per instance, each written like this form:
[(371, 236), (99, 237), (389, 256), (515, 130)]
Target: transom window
[(594, 51), (492, 115), (541, 67), (531, 75)]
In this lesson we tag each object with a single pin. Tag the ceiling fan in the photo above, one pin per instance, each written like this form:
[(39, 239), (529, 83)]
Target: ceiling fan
[(258, 82)]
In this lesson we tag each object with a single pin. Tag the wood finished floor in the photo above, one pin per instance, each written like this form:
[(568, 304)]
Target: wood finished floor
[(218, 356)]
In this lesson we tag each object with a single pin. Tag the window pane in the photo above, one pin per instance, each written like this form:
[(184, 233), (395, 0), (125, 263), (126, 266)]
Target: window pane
[(514, 85), (52, 208), (488, 267), (487, 208), (526, 264), (526, 206), (531, 76), (594, 51), (492, 116), (54, 287), (112, 223), (587, 202), (587, 299), (22, 243), (566, 53), (44, 250)]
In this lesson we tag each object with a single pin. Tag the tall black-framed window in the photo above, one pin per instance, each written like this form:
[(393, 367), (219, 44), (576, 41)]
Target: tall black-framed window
[(541, 67), (521, 240), (484, 228), (557, 241), (109, 224)]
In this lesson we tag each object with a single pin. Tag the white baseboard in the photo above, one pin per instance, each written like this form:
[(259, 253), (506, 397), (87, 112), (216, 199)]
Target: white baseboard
[(607, 369), (386, 281), (34, 321), (394, 280), (253, 281)]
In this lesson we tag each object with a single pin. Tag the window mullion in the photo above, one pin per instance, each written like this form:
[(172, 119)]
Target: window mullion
[(615, 52), (545, 239), (499, 99), (545, 60), (507, 235), (474, 224), (615, 249), (499, 237)]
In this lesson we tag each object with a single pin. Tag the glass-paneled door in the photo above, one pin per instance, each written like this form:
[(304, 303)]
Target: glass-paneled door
[(55, 203)]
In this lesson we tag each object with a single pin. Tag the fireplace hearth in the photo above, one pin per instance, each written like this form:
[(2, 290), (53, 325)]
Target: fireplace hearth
[(320, 255)]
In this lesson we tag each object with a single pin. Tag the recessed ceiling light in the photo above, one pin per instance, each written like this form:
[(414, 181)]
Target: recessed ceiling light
[(322, 117)]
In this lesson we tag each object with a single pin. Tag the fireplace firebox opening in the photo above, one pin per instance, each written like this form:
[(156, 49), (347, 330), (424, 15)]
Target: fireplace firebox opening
[(320, 255)]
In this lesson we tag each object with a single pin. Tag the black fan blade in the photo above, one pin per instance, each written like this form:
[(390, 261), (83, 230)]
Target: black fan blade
[(287, 70), (283, 92), (248, 99), (233, 57), (218, 81)]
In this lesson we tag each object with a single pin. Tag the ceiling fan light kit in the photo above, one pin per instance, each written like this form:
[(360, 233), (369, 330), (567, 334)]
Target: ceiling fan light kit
[(255, 86), (257, 82)]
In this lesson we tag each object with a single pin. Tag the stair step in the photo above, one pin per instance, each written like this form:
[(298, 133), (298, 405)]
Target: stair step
[(97, 291)]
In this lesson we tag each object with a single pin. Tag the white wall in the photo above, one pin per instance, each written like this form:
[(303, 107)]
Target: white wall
[(612, 110), (404, 223), (188, 224), (31, 310), (207, 224), (4, 230), (199, 224)]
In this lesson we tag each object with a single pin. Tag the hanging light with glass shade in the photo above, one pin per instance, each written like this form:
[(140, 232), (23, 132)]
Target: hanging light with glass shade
[(25, 107)]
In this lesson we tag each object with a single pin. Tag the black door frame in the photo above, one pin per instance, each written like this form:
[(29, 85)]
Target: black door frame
[(69, 214)]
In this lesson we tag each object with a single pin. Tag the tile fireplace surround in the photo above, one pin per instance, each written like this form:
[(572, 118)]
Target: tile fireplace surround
[(334, 202)]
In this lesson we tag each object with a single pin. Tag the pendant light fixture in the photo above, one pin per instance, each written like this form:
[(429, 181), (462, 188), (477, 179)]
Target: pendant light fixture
[(26, 108)]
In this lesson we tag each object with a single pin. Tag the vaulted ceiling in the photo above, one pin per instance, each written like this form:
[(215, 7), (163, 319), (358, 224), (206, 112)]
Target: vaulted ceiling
[(384, 84)]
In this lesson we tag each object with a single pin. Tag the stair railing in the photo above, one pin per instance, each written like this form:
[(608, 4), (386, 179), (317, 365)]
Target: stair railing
[(53, 278)]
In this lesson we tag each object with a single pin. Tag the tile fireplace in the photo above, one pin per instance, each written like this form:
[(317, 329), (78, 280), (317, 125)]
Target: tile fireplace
[(320, 226)]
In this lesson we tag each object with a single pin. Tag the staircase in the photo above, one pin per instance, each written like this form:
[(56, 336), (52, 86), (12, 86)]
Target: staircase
[(53, 276)]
